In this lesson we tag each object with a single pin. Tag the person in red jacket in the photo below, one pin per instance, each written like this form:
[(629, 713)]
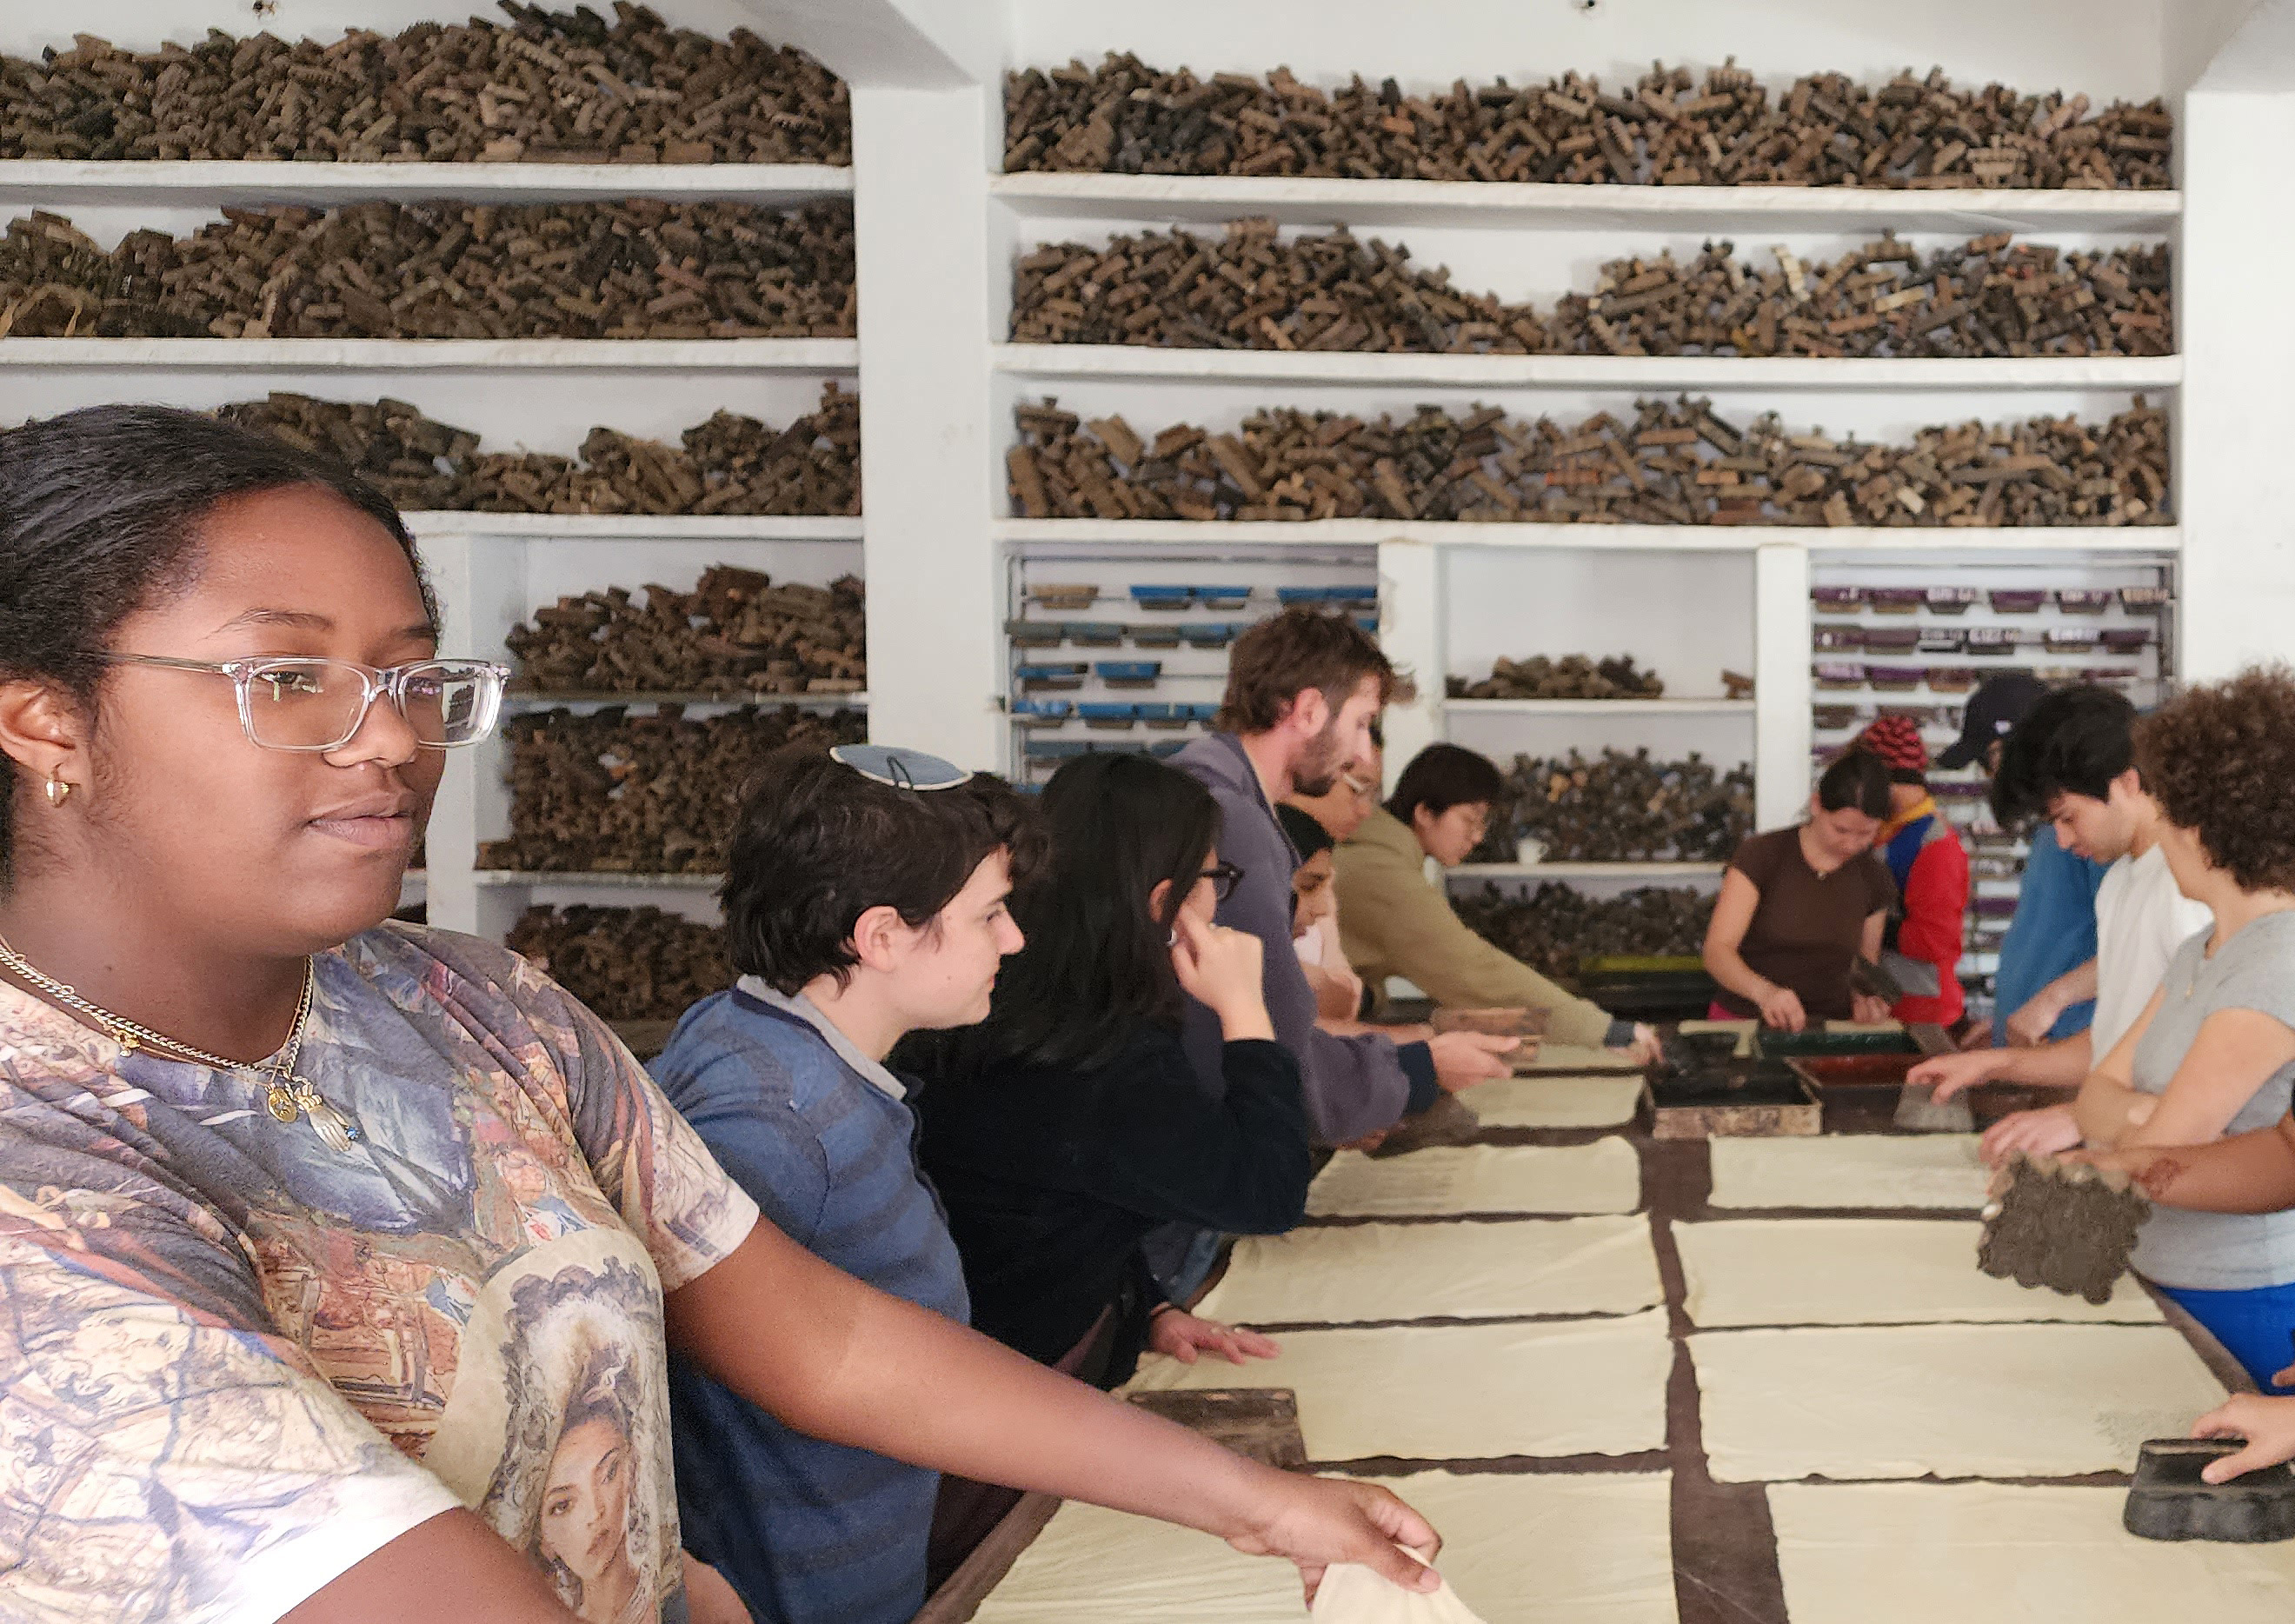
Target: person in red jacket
[(1930, 868)]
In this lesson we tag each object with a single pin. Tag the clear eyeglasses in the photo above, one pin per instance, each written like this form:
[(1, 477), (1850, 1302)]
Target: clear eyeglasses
[(293, 703)]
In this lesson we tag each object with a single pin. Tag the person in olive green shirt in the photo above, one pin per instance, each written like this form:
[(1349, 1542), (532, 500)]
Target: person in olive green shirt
[(1392, 921)]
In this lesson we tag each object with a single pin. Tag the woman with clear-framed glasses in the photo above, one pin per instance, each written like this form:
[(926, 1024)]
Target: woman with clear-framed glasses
[(316, 1230)]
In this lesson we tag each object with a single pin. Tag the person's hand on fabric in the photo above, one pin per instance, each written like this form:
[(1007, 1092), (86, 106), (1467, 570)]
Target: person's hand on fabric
[(1319, 1520), (1867, 1010), (1645, 1049), (2266, 1425), (1781, 1008), (1187, 1337), (1221, 970), (2049, 1131), (1953, 1075), (1463, 1058)]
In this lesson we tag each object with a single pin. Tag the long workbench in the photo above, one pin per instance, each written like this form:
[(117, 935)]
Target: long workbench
[(1724, 1544)]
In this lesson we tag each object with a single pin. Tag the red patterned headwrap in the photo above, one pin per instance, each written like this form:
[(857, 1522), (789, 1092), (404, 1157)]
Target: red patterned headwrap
[(1896, 740)]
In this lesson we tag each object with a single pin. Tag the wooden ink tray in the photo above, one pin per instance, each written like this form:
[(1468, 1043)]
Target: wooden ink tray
[(1733, 1099)]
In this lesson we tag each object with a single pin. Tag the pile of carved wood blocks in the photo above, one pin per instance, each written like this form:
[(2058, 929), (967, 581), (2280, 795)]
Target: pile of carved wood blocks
[(613, 792), (1666, 463), (1252, 289), (1574, 676), (635, 269), (547, 88), (1625, 808), (729, 464), (1556, 927), (627, 964), (1669, 128), (735, 632)]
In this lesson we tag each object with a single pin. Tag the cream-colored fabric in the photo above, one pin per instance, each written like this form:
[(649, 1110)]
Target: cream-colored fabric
[(1851, 1272), (1992, 1553), (1553, 1057), (1558, 1101), (1352, 1274), (1353, 1594), (1537, 1549), (1460, 1392), (1937, 1171), (2027, 1400), (1450, 1182), (1095, 1566)]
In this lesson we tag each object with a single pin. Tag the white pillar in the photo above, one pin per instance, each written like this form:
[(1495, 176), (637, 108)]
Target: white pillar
[(2235, 482), (1410, 614), (928, 443), (1781, 684)]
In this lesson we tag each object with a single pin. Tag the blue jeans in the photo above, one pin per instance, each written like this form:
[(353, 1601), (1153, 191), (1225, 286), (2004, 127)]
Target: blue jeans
[(2255, 1327)]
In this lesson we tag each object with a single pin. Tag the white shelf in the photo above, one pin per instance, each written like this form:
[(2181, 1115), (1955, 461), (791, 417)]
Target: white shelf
[(503, 880), (526, 699), (1596, 708), (47, 182), (1140, 361), (429, 522), (1737, 209), (1586, 870), (1667, 538), (419, 354)]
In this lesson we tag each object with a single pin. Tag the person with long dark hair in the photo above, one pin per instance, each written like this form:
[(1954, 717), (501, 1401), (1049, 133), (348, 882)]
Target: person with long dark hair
[(1071, 1122), (300, 1205)]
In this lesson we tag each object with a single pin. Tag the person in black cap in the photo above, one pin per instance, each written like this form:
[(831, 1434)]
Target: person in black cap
[(2043, 990)]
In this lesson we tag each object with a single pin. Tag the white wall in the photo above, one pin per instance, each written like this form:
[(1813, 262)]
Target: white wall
[(2237, 481), (2106, 48)]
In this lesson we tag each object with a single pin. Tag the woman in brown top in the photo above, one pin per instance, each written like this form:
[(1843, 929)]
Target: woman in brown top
[(1798, 905)]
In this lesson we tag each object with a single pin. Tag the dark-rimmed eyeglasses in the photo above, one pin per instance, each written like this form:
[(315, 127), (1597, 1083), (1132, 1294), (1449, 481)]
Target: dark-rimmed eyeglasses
[(900, 769), (1224, 877), (294, 702)]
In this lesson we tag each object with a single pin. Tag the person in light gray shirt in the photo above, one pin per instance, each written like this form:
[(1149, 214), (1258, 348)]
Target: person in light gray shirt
[(2213, 1054)]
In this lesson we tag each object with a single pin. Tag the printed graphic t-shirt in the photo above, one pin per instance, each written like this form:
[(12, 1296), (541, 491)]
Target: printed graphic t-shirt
[(233, 1363)]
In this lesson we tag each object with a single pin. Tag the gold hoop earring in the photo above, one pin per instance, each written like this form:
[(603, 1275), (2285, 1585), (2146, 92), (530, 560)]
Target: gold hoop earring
[(59, 791)]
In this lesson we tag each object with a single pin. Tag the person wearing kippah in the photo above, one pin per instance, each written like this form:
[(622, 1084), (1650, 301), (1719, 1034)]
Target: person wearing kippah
[(1929, 866)]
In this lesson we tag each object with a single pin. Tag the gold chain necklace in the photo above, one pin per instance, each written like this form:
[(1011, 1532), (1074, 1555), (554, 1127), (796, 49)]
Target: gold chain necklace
[(288, 1093)]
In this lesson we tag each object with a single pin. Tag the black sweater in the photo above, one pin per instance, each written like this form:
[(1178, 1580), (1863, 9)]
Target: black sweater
[(1052, 1176)]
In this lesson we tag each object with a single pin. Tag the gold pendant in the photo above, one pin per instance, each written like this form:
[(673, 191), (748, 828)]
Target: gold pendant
[(282, 1101), (335, 1130)]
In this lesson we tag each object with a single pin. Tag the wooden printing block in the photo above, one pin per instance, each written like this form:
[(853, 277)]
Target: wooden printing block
[(2168, 1499), (1515, 1022), (1065, 595), (1260, 1421), (2061, 1225)]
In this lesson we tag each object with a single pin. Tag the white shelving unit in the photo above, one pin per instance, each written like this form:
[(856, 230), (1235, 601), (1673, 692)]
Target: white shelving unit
[(943, 377), (1686, 600), (824, 357), (491, 569), (1393, 204), (61, 184), (1053, 362)]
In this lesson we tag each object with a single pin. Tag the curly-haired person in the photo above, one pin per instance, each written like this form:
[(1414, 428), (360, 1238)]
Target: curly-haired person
[(2213, 1054)]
